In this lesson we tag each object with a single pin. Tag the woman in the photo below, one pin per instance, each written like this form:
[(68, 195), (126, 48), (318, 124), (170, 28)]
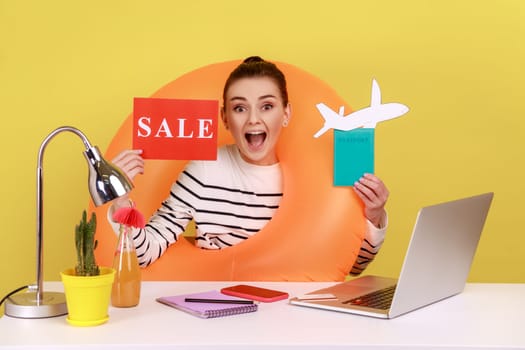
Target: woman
[(232, 198)]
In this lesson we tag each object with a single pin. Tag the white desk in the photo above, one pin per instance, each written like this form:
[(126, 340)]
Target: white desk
[(483, 316)]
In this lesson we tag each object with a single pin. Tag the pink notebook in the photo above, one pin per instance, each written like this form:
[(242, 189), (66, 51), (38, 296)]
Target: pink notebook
[(208, 310)]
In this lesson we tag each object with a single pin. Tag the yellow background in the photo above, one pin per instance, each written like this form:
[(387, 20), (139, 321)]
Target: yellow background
[(457, 64)]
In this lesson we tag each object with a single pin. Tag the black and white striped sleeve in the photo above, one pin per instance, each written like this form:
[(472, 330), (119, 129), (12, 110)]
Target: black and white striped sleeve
[(374, 238)]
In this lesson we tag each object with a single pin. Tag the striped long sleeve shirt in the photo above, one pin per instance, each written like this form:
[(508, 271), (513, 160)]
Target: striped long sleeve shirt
[(229, 200)]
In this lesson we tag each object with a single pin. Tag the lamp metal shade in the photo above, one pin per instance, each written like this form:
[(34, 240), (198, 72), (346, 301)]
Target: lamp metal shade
[(106, 182)]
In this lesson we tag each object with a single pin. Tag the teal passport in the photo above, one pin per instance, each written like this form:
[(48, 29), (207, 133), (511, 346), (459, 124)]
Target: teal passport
[(353, 155)]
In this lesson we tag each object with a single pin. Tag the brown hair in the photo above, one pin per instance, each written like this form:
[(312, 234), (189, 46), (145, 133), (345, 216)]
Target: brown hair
[(255, 66)]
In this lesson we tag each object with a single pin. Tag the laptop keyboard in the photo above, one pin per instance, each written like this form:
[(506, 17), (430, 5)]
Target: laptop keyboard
[(379, 299)]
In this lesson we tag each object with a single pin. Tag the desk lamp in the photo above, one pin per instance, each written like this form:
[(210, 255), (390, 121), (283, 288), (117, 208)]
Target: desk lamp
[(105, 183)]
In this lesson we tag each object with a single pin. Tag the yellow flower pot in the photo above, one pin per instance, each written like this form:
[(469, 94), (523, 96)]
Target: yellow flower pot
[(87, 297)]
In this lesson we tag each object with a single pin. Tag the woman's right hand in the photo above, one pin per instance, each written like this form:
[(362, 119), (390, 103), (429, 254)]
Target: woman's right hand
[(132, 164)]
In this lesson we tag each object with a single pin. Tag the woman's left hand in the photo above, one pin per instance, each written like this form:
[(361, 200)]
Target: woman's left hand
[(374, 195)]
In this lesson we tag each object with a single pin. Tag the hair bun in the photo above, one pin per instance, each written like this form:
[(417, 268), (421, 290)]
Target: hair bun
[(252, 59)]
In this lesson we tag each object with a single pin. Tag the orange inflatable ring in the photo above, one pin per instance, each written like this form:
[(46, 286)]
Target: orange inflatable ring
[(315, 234)]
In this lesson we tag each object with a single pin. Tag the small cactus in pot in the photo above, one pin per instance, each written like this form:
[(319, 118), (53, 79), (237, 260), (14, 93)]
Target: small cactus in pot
[(85, 245)]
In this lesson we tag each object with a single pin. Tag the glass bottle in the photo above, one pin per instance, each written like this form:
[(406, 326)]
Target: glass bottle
[(126, 287)]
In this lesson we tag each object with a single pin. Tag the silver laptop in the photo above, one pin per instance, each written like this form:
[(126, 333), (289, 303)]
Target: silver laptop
[(436, 266)]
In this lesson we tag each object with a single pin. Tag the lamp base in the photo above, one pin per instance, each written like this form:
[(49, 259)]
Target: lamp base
[(25, 305)]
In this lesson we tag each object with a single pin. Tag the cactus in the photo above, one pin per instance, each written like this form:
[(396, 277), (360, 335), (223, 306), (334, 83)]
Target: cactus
[(86, 244)]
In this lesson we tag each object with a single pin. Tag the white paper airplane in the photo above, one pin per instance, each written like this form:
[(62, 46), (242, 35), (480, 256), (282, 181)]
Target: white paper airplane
[(364, 118)]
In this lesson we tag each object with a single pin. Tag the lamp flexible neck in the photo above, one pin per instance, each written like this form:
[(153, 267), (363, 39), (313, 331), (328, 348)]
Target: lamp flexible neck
[(40, 209)]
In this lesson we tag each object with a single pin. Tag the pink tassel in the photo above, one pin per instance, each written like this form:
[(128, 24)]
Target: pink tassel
[(129, 217)]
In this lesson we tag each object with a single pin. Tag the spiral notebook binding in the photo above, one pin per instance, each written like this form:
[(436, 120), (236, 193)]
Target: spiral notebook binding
[(230, 311)]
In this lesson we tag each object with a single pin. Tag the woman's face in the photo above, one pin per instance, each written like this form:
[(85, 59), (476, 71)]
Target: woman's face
[(254, 113)]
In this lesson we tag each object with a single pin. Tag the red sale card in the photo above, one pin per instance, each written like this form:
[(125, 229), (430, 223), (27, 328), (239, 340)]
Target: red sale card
[(175, 129)]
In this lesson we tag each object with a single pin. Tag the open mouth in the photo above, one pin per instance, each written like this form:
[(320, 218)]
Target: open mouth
[(256, 138)]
